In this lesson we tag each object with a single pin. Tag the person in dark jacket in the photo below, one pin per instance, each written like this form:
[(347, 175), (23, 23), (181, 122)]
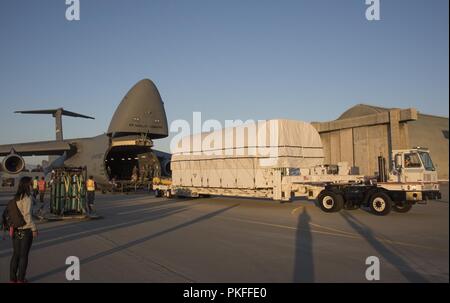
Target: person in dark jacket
[(22, 237)]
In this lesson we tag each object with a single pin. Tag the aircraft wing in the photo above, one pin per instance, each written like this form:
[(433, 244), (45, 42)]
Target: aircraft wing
[(161, 154), (43, 148)]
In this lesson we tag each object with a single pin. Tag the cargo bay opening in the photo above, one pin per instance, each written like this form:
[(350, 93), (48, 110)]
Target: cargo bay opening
[(121, 160)]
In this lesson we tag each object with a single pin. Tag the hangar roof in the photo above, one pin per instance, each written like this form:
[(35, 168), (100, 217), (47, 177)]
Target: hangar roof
[(365, 109), (361, 110)]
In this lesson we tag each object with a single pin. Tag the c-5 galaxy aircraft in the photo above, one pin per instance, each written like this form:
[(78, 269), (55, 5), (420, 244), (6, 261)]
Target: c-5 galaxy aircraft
[(139, 119)]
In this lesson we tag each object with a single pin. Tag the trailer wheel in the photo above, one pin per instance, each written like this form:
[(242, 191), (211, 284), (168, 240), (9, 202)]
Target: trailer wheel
[(380, 204), (330, 201), (402, 207)]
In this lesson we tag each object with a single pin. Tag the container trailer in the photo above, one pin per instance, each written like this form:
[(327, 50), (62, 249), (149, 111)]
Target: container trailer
[(283, 159)]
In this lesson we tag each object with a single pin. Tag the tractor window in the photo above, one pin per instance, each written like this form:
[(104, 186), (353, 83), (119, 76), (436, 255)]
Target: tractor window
[(412, 161), (426, 159)]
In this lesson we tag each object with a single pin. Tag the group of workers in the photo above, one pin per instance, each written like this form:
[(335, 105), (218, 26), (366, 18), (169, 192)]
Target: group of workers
[(145, 172), (40, 187), (140, 176)]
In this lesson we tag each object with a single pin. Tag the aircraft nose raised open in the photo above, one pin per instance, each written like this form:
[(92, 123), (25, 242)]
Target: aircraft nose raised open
[(141, 111)]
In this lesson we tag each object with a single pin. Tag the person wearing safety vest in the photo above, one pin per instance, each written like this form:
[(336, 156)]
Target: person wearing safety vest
[(42, 187), (90, 189)]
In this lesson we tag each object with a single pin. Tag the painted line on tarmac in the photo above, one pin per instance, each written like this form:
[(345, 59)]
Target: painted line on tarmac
[(136, 202), (142, 210), (340, 234), (334, 229), (295, 209), (287, 227), (158, 207), (309, 206), (112, 204)]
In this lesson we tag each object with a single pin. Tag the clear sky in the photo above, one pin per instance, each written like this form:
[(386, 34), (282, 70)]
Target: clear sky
[(230, 59)]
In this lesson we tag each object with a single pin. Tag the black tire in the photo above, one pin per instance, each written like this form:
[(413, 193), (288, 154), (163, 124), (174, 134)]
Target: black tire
[(330, 202), (380, 204), (402, 207)]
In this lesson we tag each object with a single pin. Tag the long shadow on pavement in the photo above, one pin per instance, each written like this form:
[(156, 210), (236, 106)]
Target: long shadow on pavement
[(134, 243), (84, 231), (108, 214), (407, 271), (107, 209), (304, 259)]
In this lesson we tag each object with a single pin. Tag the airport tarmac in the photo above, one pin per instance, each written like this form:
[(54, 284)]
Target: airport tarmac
[(146, 239)]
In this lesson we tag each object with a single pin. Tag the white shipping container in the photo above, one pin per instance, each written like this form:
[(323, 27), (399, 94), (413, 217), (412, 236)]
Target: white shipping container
[(244, 156)]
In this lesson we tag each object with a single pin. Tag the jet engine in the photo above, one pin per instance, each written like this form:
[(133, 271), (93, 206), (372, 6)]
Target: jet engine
[(13, 164), (56, 163), (165, 168)]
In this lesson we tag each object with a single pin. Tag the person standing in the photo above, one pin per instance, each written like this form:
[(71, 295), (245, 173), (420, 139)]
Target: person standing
[(135, 171), (142, 173), (42, 187), (35, 188), (134, 177), (22, 237), (90, 191)]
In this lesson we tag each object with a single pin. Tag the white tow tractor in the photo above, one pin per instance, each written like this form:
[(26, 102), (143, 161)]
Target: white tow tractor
[(412, 179)]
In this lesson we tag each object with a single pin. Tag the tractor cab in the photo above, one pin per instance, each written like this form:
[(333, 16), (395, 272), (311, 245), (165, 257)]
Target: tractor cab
[(413, 165)]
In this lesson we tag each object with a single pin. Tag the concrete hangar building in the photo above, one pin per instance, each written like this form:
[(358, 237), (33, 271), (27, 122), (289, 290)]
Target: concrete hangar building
[(364, 132)]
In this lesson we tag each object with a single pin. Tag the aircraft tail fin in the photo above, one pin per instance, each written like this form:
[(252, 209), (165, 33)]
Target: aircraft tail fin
[(54, 112), (57, 113)]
